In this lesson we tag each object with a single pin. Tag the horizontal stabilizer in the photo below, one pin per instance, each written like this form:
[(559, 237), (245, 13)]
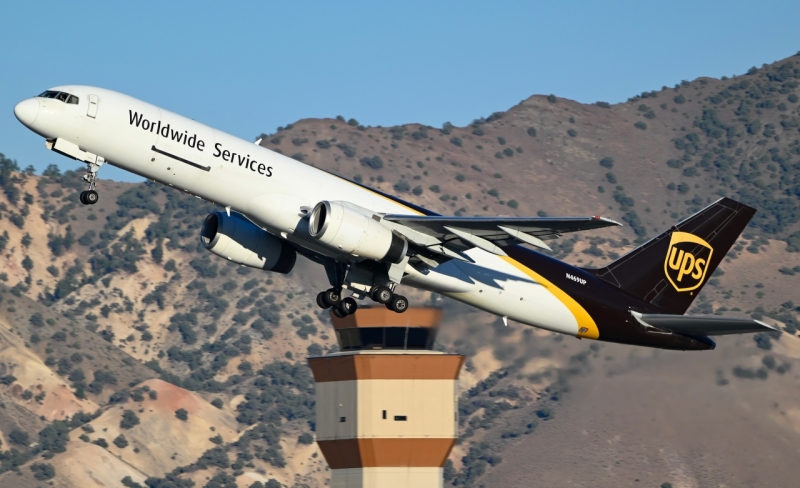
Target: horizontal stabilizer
[(707, 326)]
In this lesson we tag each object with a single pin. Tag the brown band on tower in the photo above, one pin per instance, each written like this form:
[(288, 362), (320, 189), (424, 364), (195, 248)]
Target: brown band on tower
[(383, 317), (386, 367), (382, 452)]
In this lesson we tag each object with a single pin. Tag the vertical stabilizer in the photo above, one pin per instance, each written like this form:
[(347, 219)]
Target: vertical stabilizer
[(669, 271)]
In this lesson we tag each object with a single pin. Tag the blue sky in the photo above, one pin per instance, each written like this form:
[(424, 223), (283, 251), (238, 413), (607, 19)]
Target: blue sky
[(248, 68)]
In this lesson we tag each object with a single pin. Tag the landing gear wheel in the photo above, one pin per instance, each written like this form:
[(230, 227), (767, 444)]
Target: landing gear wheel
[(381, 294), (331, 297), (91, 197), (82, 198), (398, 304), (321, 300), (338, 312), (348, 306)]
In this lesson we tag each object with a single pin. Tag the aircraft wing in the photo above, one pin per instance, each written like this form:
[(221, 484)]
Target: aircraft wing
[(489, 233), (708, 326)]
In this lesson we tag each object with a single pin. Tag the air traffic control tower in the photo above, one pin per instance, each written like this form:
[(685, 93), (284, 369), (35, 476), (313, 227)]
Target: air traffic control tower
[(387, 405)]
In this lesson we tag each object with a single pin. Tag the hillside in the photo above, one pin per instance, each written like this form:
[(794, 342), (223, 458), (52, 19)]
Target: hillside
[(114, 312)]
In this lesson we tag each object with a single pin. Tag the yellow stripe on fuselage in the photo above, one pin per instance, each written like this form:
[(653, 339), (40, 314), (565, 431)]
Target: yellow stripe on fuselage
[(581, 315)]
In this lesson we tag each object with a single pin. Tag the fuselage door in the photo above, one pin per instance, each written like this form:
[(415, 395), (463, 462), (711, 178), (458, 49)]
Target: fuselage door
[(93, 102)]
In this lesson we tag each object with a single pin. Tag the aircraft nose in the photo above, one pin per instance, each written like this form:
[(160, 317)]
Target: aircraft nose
[(26, 111)]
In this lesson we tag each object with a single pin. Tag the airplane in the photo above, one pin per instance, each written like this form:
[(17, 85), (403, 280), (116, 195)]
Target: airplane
[(370, 242)]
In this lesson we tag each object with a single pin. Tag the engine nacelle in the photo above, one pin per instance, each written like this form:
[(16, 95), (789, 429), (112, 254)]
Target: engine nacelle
[(236, 239), (352, 232)]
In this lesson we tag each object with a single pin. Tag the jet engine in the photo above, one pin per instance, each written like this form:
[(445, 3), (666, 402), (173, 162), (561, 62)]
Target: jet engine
[(236, 239), (353, 232)]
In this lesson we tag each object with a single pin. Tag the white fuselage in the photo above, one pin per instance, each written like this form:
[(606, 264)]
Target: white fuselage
[(271, 189)]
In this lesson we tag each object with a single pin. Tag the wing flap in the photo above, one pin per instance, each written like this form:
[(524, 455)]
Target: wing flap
[(460, 232), (707, 326)]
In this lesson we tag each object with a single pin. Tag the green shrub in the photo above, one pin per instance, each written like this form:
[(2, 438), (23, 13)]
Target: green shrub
[(374, 162), (77, 376), (552, 98), (182, 414), (402, 186), (43, 471), (129, 420), (37, 320), (121, 442), (640, 125), (531, 132), (58, 244), (19, 437), (349, 151), (314, 350)]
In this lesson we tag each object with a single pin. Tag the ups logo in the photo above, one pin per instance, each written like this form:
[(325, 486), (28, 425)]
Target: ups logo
[(687, 260)]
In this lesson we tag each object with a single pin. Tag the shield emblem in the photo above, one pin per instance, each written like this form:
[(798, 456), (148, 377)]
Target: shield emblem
[(687, 261)]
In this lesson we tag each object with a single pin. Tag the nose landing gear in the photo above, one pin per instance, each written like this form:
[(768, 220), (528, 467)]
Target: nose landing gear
[(90, 196)]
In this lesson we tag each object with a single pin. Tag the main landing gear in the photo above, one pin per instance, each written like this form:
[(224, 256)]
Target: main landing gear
[(90, 196), (360, 280), (342, 307), (332, 298), (394, 302)]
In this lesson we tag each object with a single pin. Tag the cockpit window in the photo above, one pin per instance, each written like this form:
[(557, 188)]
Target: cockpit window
[(64, 97)]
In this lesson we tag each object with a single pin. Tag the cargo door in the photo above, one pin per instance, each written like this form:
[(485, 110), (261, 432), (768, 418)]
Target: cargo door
[(93, 102)]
